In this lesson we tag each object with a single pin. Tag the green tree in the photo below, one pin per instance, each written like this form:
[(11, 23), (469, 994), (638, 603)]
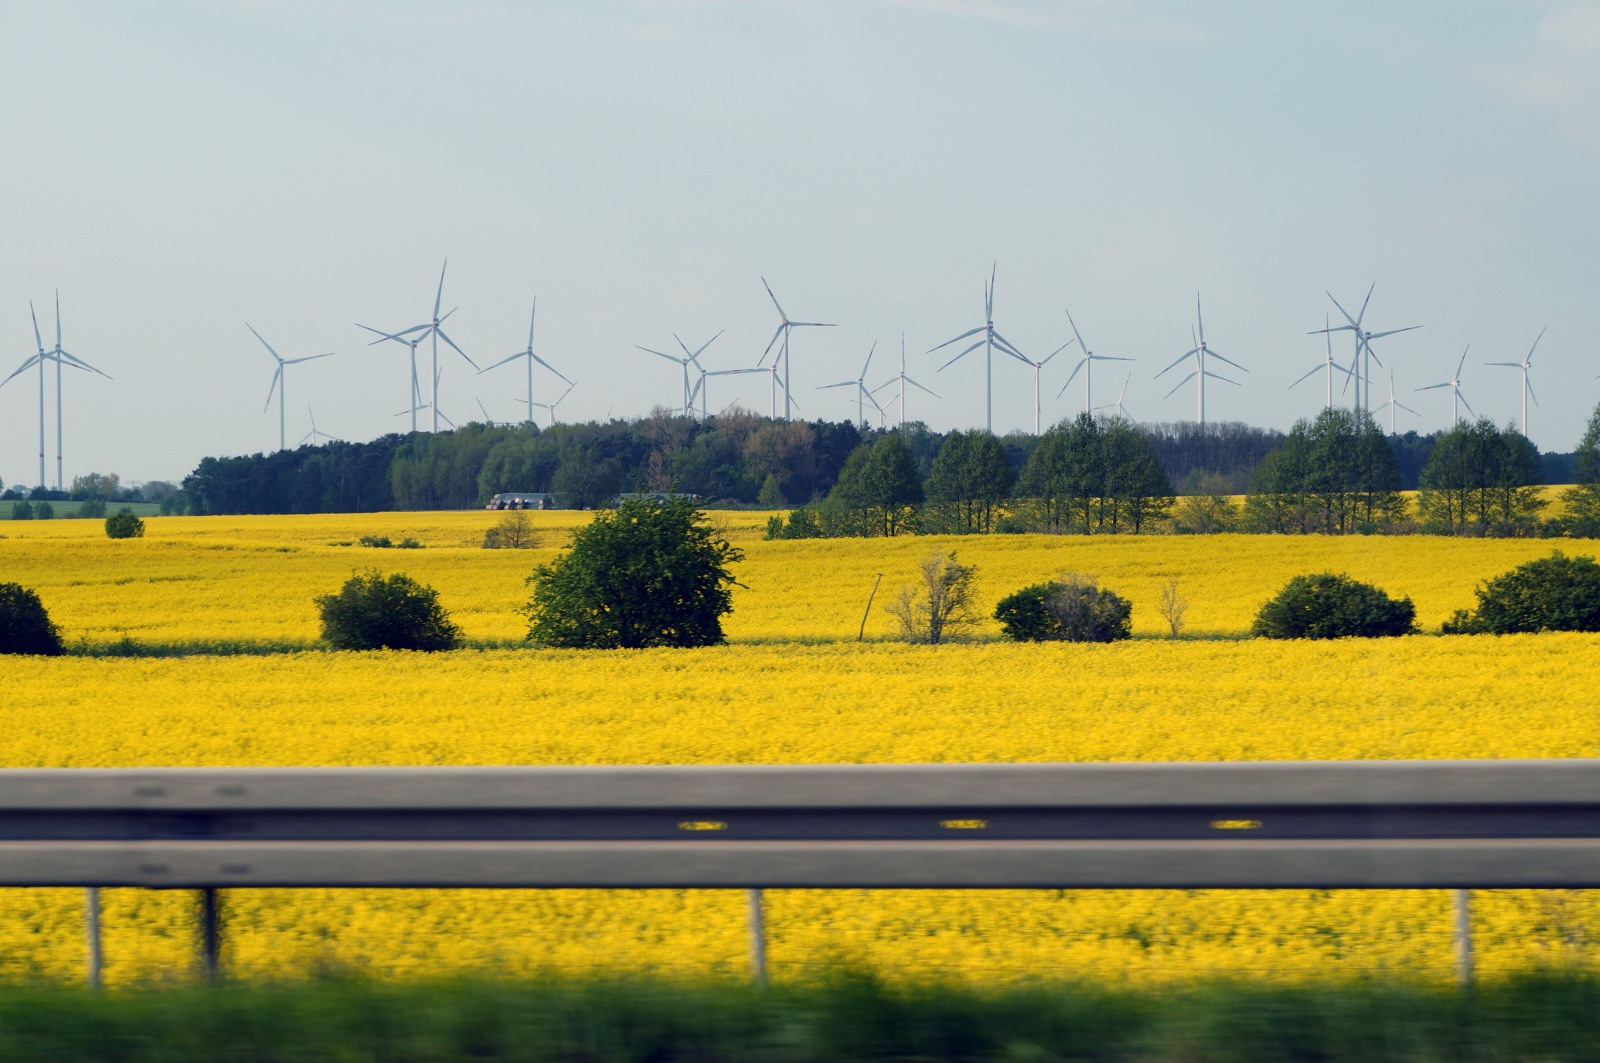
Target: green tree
[(645, 574), (771, 494), (1481, 480), (1555, 593), (877, 491), (582, 482), (1136, 489), (1582, 499), (374, 612), (25, 627), (940, 604), (1334, 474), (124, 524), (969, 481)]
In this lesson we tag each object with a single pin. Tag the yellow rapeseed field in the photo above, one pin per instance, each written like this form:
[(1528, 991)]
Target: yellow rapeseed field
[(792, 686)]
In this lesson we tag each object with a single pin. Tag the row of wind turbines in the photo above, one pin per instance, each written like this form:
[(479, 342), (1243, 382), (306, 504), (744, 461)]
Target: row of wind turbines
[(695, 377)]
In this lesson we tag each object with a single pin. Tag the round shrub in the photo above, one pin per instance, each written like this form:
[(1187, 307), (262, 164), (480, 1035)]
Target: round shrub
[(1555, 593), (1070, 609), (376, 612), (1330, 606), (123, 524), (25, 627)]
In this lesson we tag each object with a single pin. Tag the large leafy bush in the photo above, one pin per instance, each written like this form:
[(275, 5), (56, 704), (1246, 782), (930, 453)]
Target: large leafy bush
[(1070, 609), (1555, 593), (375, 612), (25, 627), (1331, 606)]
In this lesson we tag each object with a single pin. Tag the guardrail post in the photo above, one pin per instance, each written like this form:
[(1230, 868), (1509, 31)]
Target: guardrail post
[(210, 934), (91, 930), (758, 937), (1462, 905)]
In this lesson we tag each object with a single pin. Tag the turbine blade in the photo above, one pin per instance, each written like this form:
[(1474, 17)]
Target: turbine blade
[(1180, 360), (1354, 323), (37, 339), (531, 317), (458, 350), (870, 352), (669, 357), (1531, 395), (1219, 376), (1001, 341), (1465, 403), (840, 384), (960, 356), (1074, 374), (958, 339), (1430, 387), (773, 340), (264, 343), (812, 324), (1178, 385), (1535, 344), (276, 375), (308, 358), (439, 295), (1391, 332), (503, 361), (774, 299), (1463, 361), (550, 367), (1076, 334), (1308, 376), (914, 384), (1224, 358), (1363, 315), (1199, 320)]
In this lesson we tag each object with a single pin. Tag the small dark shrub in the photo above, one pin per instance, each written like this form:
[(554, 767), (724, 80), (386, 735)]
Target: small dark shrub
[(123, 524), (25, 627), (374, 612), (22, 510), (92, 507), (1555, 593), (381, 542), (44, 511), (408, 543), (1330, 606), (1010, 524), (1070, 609)]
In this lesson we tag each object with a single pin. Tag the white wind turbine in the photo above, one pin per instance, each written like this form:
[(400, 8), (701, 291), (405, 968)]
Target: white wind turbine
[(430, 330), (551, 406), (530, 356), (784, 328), (411, 342), (1395, 404), (991, 340), (280, 380), (1524, 365), (1360, 369), (1038, 369), (684, 363), (39, 360), (59, 356), (1086, 363), (1454, 384), (1329, 364), (1200, 352), (903, 380), (863, 393), (1121, 413), (313, 436), (699, 388)]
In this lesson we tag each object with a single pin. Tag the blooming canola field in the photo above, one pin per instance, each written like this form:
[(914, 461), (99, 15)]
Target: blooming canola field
[(792, 686)]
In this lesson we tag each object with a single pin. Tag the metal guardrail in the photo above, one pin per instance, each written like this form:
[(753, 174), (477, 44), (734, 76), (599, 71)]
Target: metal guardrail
[(1368, 824)]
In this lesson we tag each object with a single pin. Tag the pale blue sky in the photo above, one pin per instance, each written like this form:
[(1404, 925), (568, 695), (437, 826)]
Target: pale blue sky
[(177, 168)]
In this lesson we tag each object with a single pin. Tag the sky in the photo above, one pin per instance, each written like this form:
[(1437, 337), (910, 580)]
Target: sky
[(180, 168)]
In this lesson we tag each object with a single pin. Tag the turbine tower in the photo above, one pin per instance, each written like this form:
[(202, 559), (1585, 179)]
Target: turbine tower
[(37, 359), (430, 330), (784, 328), (1086, 363), (991, 340), (1200, 352), (1329, 364), (551, 406), (280, 382), (863, 393), (530, 356), (313, 436), (1395, 404), (1458, 400), (699, 385), (59, 356), (1364, 354), (1121, 413), (1524, 365), (416, 391), (903, 380), (684, 362)]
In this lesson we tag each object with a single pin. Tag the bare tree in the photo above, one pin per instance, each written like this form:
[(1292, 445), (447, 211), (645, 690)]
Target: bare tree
[(1173, 606), (941, 603), (514, 532)]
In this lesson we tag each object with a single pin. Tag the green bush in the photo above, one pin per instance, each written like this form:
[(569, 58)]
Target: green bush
[(1070, 609), (803, 523), (22, 510), (44, 511), (380, 542), (25, 627), (375, 612), (1330, 606), (123, 524), (1555, 593), (92, 508), (648, 573)]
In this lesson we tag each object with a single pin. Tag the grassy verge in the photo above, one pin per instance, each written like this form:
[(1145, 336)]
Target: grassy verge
[(1536, 1017)]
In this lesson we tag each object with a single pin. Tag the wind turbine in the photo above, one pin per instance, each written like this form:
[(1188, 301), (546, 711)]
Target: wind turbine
[(59, 356), (863, 393), (1395, 404), (280, 382), (1121, 413), (1038, 368), (35, 360), (903, 380), (530, 356), (314, 436), (1454, 384), (416, 392), (991, 340), (1364, 337), (1330, 364), (1200, 351), (684, 362), (551, 406), (700, 385), (430, 329), (1086, 363), (784, 328), (1524, 365)]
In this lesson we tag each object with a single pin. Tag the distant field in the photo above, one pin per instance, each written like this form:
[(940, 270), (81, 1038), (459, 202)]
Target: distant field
[(792, 686), (69, 510)]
